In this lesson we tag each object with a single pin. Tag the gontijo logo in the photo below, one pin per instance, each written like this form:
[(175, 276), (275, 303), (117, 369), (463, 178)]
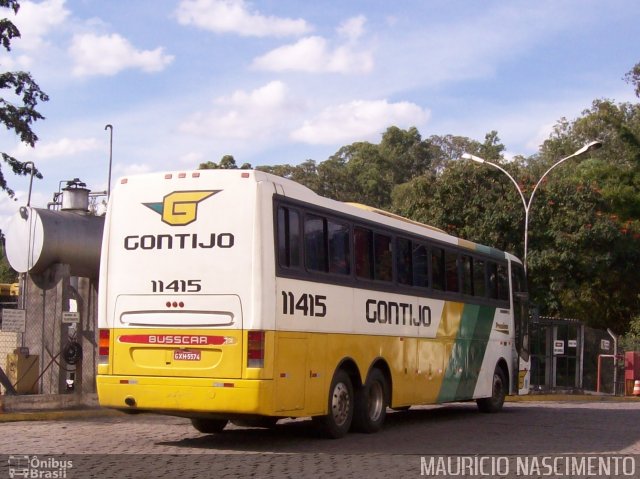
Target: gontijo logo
[(180, 208)]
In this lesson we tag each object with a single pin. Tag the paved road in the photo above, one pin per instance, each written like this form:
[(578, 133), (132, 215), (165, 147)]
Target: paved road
[(157, 446)]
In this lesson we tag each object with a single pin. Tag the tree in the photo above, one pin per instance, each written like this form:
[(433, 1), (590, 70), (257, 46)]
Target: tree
[(633, 77), (585, 222), (475, 203), (18, 113), (228, 162)]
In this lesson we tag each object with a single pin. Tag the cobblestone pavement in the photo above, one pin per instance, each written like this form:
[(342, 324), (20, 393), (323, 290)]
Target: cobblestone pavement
[(143, 446)]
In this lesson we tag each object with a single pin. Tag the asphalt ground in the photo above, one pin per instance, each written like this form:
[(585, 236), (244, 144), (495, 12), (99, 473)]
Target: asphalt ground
[(89, 412)]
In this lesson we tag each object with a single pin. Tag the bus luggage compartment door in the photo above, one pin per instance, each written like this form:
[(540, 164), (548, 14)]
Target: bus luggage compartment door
[(189, 336)]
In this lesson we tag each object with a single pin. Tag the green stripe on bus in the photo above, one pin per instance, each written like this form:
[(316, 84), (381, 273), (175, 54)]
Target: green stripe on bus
[(467, 353), (496, 253)]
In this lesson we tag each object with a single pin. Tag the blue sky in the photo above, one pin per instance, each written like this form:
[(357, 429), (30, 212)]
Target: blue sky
[(282, 81)]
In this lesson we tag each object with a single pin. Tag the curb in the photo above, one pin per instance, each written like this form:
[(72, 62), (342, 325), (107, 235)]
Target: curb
[(57, 415), (571, 398)]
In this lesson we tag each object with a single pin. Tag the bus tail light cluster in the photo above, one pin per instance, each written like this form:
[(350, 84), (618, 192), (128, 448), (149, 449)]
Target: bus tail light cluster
[(103, 346), (255, 349)]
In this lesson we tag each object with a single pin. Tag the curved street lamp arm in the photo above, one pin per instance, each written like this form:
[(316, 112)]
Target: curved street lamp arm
[(594, 145), (477, 159)]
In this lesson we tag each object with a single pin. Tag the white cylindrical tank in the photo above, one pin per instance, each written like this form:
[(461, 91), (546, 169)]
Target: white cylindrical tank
[(37, 238)]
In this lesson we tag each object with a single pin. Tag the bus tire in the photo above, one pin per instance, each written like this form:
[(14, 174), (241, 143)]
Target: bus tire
[(209, 426), (371, 403), (337, 422), (498, 393)]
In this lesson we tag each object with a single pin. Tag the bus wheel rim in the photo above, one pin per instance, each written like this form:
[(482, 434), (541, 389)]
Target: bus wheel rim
[(376, 401), (340, 403)]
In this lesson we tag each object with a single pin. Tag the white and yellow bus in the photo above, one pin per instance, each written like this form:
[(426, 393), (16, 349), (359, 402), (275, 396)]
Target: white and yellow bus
[(238, 295)]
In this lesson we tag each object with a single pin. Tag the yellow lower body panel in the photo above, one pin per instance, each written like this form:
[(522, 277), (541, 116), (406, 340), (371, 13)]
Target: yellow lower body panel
[(186, 395)]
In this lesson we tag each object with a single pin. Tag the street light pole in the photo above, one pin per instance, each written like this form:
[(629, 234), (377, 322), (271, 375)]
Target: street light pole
[(594, 145)]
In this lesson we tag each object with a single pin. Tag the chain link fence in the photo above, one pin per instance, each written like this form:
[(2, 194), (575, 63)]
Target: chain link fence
[(58, 350)]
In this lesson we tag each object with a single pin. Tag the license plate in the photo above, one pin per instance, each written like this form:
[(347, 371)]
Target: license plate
[(186, 355)]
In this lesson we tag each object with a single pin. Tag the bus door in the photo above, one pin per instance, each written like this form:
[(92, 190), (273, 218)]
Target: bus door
[(520, 297)]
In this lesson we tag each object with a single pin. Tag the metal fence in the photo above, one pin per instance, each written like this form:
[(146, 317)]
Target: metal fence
[(62, 356), (8, 343), (568, 356)]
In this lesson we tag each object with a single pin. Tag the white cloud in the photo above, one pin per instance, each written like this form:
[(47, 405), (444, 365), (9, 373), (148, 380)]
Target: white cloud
[(20, 62), (192, 158), (63, 147), (359, 120), (10, 206), (314, 55), (353, 28), (244, 115), (36, 20), (129, 169), (234, 16), (109, 54)]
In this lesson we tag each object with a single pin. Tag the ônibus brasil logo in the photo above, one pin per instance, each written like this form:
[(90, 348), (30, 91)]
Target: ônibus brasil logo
[(180, 208)]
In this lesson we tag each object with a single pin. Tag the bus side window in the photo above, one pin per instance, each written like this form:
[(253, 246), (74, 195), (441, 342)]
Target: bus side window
[(503, 282), (437, 269), (479, 278), (420, 266), (451, 271), (315, 244), (363, 250), (404, 262), (383, 257), (467, 278), (288, 238), (339, 253), (492, 279)]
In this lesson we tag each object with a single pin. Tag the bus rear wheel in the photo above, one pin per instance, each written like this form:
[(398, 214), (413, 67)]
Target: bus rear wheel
[(337, 422), (498, 393), (209, 426), (371, 403)]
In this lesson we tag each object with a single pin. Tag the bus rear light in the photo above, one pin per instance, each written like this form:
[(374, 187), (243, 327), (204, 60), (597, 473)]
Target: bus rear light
[(195, 174), (168, 176), (255, 349), (174, 304), (182, 175), (103, 346)]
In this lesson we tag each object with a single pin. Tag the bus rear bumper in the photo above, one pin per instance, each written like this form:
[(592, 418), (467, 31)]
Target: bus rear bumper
[(186, 396)]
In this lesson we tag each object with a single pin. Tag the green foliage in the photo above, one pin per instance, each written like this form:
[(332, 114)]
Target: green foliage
[(7, 273), (633, 77), (18, 110), (227, 162)]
